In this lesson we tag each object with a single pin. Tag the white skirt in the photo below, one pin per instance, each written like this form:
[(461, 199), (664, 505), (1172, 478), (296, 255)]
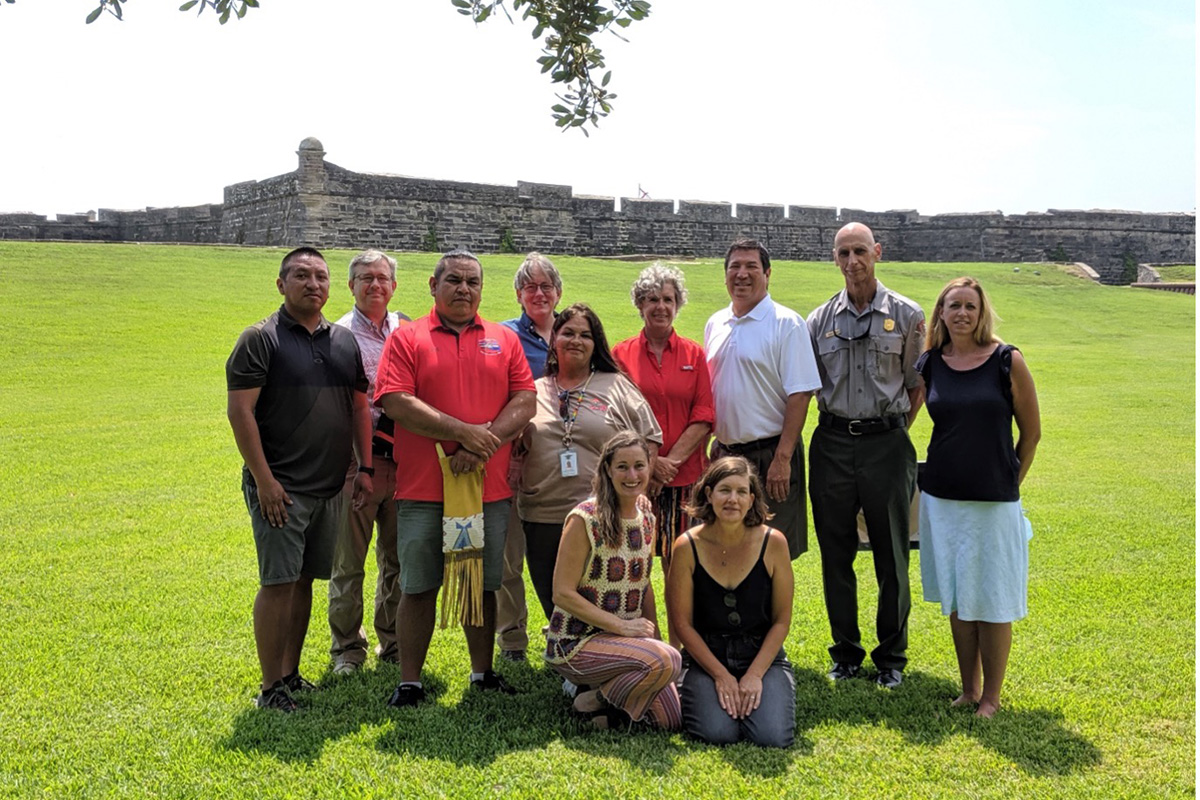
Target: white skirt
[(975, 558)]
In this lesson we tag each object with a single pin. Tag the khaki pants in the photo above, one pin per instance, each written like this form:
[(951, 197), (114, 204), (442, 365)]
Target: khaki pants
[(349, 559), (512, 615)]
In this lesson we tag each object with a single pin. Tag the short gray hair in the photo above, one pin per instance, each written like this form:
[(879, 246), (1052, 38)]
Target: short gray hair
[(654, 279), (370, 257), (536, 261)]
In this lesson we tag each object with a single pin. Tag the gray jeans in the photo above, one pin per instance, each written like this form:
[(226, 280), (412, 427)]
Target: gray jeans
[(772, 724)]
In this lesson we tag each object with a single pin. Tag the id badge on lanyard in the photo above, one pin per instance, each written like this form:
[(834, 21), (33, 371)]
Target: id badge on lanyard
[(568, 463)]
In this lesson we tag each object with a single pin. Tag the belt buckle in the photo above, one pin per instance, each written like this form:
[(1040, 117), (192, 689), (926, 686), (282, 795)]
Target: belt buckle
[(850, 427)]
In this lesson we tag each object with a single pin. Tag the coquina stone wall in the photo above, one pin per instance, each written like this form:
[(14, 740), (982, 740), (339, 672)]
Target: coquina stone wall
[(324, 205)]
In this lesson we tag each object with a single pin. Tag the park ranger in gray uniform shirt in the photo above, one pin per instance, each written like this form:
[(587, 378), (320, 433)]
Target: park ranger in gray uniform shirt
[(867, 339)]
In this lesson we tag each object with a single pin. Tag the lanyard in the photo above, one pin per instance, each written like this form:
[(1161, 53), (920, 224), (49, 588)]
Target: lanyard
[(570, 416)]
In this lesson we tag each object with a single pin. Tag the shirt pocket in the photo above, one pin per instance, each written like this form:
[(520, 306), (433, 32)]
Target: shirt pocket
[(835, 358), (884, 359)]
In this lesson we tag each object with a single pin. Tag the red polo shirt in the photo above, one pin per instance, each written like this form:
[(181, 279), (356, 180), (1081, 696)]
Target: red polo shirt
[(469, 375), (678, 390)]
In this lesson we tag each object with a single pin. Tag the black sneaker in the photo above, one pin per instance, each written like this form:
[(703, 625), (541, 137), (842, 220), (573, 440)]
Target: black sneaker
[(297, 683), (889, 678), (492, 682), (843, 671), (407, 695), (277, 697), (516, 656)]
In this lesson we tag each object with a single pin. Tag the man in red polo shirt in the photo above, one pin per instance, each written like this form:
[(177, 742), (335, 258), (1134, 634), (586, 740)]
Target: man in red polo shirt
[(454, 379)]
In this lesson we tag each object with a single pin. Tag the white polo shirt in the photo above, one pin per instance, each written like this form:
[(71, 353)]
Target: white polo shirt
[(757, 361)]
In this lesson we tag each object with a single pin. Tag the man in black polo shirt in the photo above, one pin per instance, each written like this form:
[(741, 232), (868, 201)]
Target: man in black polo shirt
[(297, 406)]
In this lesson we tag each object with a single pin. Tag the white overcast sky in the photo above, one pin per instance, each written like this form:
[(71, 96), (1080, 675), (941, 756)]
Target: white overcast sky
[(937, 105)]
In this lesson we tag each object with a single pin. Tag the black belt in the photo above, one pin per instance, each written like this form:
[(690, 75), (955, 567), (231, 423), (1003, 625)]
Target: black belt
[(862, 427), (770, 443), (382, 448)]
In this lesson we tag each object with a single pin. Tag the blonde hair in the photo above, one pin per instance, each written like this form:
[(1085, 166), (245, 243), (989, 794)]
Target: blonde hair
[(936, 334)]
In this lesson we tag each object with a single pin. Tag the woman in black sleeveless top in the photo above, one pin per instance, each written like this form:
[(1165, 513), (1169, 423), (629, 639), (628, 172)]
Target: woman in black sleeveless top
[(974, 536), (729, 599)]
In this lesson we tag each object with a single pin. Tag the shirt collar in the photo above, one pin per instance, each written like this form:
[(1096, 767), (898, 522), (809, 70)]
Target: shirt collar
[(292, 322), (645, 342), (526, 323), (881, 302), (362, 319), (759, 312), (436, 322)]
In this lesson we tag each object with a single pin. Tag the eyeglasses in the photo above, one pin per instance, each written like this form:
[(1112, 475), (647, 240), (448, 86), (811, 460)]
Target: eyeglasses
[(735, 619), (533, 288), (369, 279)]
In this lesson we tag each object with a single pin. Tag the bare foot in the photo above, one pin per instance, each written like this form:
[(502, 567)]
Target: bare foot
[(964, 699), (589, 702), (987, 709)]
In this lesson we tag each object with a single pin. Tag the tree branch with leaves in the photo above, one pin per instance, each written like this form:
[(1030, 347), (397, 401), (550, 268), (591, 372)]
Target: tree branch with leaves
[(568, 30), (570, 53)]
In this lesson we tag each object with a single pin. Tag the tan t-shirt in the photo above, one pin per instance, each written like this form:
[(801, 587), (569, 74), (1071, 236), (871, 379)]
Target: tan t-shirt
[(610, 404)]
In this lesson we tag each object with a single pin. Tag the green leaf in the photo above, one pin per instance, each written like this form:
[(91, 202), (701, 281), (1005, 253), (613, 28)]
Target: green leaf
[(241, 12), (224, 16), (461, 3), (188, 5), (559, 108), (483, 14), (252, 3), (92, 17), (607, 76)]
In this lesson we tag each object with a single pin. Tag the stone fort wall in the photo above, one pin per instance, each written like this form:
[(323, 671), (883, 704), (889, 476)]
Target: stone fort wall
[(324, 205)]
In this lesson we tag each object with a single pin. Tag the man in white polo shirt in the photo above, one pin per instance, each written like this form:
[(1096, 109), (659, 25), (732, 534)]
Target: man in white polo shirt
[(763, 376)]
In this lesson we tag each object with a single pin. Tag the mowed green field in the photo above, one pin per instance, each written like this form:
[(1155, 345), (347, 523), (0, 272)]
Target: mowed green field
[(127, 662)]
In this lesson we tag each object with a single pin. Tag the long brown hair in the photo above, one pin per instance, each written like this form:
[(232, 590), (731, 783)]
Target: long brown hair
[(608, 505)]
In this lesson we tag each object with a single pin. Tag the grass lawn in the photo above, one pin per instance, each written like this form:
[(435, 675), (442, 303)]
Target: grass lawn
[(1178, 273), (127, 650)]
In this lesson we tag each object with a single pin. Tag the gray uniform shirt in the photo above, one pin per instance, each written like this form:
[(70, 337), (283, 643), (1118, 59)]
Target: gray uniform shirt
[(866, 358)]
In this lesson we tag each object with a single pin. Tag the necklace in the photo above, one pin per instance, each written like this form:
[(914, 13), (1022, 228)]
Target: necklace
[(725, 549), (569, 415)]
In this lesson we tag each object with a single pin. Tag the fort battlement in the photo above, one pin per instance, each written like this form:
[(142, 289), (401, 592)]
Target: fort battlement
[(325, 205)]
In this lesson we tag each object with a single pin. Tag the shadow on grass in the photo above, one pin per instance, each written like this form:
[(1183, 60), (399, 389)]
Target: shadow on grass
[(475, 728), (1035, 741), (342, 707), (466, 727)]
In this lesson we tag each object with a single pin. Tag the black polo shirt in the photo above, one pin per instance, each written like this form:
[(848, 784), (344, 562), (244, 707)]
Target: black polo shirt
[(305, 412)]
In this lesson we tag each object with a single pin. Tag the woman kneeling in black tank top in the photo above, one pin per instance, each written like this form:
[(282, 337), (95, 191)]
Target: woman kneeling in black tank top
[(729, 598)]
